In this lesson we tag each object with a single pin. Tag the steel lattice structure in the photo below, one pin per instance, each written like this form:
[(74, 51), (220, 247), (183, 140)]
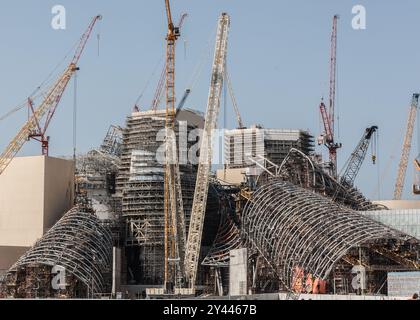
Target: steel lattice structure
[(227, 239), (79, 243), (299, 169), (198, 211), (294, 228)]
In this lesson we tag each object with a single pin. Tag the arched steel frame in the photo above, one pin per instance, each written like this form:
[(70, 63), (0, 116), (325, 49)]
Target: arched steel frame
[(79, 243), (293, 227)]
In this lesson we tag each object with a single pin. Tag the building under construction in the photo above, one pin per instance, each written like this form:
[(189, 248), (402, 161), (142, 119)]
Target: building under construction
[(256, 142), (140, 188), (274, 219)]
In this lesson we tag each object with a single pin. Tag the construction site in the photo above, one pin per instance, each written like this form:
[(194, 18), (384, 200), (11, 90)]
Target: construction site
[(150, 213)]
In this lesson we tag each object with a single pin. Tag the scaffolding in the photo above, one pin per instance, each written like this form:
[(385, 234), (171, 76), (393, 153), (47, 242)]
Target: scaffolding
[(272, 144), (140, 188)]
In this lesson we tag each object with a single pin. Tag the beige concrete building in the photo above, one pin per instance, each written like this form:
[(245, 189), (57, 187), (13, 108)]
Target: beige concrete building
[(232, 176), (34, 194), (399, 204)]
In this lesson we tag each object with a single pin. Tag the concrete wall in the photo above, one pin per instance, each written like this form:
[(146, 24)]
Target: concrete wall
[(34, 193), (58, 190), (238, 271)]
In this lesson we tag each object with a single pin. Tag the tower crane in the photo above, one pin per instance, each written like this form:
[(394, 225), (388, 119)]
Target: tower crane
[(175, 237), (328, 117), (402, 169), (45, 111), (203, 174), (161, 83), (357, 157)]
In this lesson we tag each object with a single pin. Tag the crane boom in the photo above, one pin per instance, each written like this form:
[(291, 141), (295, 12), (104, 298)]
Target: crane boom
[(328, 117), (203, 174), (325, 119), (357, 157), (184, 99), (234, 102), (333, 72), (159, 90), (47, 107), (402, 169)]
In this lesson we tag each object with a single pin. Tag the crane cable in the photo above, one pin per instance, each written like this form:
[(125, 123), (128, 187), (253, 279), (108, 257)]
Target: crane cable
[(49, 80), (146, 86), (199, 67), (384, 173), (37, 92)]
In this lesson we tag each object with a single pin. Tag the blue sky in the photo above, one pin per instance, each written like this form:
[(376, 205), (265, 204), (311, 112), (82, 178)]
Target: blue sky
[(278, 61)]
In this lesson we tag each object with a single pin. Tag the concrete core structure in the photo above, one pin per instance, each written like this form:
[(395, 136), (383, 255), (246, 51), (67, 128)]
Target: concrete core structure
[(35, 192)]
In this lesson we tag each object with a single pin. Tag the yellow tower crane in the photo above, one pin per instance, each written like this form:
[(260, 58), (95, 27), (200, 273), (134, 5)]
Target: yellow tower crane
[(175, 237)]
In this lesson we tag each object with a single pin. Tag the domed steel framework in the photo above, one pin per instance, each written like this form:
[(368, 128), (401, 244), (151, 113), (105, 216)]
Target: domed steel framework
[(297, 229), (79, 243)]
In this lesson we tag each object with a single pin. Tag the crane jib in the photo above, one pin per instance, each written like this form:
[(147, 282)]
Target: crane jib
[(47, 107)]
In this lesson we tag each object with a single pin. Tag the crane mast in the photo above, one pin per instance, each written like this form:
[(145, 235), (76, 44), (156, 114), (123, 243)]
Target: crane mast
[(333, 72), (32, 127), (203, 174), (174, 237), (328, 117), (402, 169), (357, 157), (159, 90)]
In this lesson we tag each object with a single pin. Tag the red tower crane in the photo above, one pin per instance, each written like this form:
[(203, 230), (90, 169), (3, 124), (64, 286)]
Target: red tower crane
[(328, 117)]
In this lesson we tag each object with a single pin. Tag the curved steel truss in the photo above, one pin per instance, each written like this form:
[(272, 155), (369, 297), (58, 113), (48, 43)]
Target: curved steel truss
[(301, 170), (227, 239), (79, 243), (297, 229)]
